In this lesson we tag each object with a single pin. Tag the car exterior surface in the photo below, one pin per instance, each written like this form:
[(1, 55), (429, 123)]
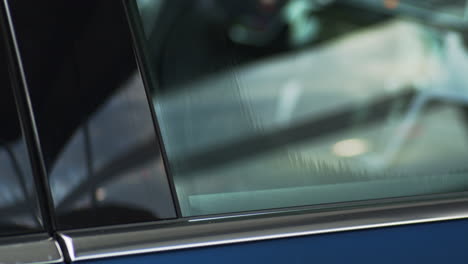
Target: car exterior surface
[(151, 131)]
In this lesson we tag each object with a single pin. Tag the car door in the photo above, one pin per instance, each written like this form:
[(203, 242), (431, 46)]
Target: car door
[(254, 131)]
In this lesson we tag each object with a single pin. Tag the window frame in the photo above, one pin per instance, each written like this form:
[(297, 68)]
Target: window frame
[(39, 246), (26, 117)]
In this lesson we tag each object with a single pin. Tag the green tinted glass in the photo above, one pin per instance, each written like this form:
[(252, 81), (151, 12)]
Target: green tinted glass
[(268, 104)]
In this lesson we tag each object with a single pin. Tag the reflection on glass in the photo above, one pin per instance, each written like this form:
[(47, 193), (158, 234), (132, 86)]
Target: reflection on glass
[(111, 170), (267, 104), (19, 211), (94, 121), (439, 10)]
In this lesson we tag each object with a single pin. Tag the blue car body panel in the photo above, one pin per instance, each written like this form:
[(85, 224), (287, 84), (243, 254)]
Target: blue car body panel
[(438, 242)]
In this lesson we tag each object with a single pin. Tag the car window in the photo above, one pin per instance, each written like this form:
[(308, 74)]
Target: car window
[(94, 122), (269, 104), (19, 209)]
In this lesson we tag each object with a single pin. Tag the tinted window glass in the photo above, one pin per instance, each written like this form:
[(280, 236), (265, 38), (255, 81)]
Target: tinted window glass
[(266, 104), (19, 211), (93, 117)]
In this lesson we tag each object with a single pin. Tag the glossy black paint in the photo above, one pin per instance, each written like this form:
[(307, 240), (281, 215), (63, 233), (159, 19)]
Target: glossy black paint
[(19, 209), (100, 148)]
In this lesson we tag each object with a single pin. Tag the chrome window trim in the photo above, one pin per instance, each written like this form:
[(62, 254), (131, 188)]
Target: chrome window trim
[(200, 232), (26, 250)]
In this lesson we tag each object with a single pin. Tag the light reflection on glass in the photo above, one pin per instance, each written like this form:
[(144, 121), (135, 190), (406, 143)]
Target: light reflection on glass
[(103, 171), (321, 102), (19, 206), (350, 148)]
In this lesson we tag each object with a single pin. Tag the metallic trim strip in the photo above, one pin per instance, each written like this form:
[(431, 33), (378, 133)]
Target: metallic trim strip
[(43, 251), (191, 233)]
